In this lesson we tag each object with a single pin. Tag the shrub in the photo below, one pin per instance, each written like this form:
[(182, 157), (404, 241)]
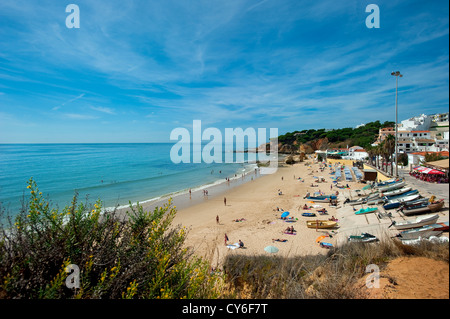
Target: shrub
[(137, 254)]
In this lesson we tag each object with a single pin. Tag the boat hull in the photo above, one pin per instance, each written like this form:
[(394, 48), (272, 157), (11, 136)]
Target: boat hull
[(417, 233), (419, 222), (321, 224), (366, 211)]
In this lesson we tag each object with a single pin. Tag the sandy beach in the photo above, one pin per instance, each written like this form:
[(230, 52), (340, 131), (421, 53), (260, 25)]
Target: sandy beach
[(256, 202)]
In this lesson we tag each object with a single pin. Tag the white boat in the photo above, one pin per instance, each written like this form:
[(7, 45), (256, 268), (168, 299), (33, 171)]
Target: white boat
[(423, 232), (403, 199), (391, 187), (418, 222), (397, 191)]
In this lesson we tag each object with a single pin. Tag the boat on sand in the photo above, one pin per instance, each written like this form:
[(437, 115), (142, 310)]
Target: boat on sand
[(418, 222), (321, 224)]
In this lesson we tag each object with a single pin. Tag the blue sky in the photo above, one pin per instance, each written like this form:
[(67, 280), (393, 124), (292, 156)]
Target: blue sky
[(136, 70)]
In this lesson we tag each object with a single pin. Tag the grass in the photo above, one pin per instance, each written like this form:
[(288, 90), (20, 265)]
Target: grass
[(333, 276)]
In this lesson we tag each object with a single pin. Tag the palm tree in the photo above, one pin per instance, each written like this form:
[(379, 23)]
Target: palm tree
[(389, 149)]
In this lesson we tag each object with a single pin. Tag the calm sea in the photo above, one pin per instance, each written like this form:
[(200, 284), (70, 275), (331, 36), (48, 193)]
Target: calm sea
[(115, 173)]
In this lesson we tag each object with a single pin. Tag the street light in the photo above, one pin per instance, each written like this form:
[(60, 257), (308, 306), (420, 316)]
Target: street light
[(397, 75)]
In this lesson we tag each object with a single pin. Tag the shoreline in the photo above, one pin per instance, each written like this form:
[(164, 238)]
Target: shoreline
[(182, 199)]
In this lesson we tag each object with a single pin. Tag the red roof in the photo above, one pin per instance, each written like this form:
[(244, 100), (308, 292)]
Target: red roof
[(443, 153), (420, 131)]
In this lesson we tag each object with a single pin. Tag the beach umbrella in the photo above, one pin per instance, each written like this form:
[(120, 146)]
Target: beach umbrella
[(320, 238), (271, 249), (284, 214)]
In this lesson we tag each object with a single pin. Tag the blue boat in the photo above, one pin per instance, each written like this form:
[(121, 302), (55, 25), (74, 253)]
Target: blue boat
[(366, 210), (395, 203), (415, 191), (308, 214)]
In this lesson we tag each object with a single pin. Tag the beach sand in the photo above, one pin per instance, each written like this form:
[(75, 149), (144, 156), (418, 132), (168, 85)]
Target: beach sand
[(256, 202)]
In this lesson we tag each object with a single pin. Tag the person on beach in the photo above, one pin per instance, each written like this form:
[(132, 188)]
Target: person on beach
[(241, 244), (190, 193), (225, 201), (280, 240), (226, 239), (217, 219)]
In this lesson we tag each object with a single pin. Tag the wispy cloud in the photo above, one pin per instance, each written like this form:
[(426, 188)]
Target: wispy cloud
[(75, 116), (68, 102), (101, 109)]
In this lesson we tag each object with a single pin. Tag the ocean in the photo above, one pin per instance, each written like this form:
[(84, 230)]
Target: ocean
[(114, 173)]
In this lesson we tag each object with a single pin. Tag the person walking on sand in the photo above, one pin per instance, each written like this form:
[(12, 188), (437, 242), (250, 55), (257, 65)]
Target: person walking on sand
[(226, 239), (217, 219), (225, 201)]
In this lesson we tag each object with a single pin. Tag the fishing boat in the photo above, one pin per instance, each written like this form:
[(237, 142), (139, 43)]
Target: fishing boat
[(320, 199), (363, 238), (391, 186), (424, 232), (415, 210), (395, 203), (387, 182), (366, 210), (362, 200), (423, 209), (308, 214), (321, 224), (376, 201), (418, 222), (436, 206), (409, 193), (440, 226), (416, 202), (396, 192)]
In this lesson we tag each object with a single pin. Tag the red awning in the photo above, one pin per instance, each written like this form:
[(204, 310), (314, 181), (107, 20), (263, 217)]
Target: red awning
[(427, 170)]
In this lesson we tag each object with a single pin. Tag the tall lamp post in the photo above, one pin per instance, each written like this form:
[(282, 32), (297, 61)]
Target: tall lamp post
[(397, 74)]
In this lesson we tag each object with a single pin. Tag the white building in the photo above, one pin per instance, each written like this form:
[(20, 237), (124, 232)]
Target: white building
[(356, 153), (416, 123)]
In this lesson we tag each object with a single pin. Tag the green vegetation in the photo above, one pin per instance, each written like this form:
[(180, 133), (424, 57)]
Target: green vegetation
[(139, 255), (431, 157), (362, 136)]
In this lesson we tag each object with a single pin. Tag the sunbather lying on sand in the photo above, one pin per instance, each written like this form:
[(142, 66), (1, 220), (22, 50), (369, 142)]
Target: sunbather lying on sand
[(289, 230), (280, 240)]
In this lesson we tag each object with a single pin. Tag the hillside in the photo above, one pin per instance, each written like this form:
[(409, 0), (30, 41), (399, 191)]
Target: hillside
[(321, 139)]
